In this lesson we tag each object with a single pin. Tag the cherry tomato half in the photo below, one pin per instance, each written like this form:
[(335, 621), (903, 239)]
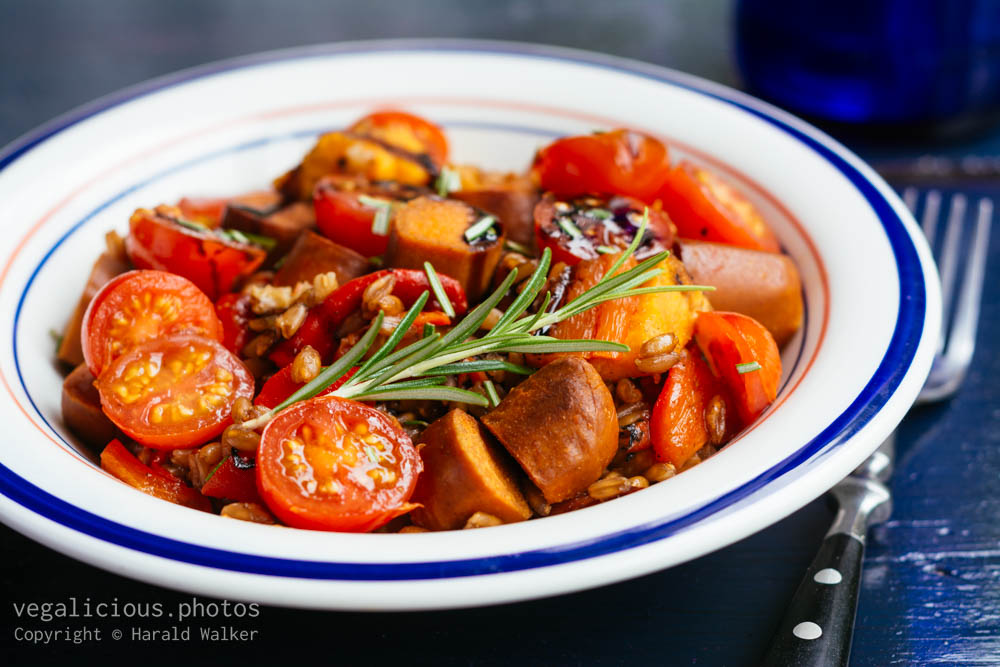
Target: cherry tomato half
[(346, 208), (174, 392), (621, 162), (334, 464), (404, 130), (705, 207), (139, 306), (587, 227), (731, 340), (157, 241)]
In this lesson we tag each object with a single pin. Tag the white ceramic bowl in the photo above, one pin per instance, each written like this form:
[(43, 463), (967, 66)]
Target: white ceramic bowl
[(851, 374)]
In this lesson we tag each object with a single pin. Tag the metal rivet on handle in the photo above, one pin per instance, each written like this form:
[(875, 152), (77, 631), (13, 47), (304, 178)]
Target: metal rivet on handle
[(807, 630), (828, 576)]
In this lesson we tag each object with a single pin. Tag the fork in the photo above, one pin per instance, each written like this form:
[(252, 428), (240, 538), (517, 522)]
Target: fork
[(819, 624)]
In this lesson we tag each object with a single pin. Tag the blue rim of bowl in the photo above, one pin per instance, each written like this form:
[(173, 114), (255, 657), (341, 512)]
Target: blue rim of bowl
[(907, 334)]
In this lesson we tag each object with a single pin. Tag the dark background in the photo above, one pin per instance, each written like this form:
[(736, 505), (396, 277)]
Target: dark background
[(930, 588)]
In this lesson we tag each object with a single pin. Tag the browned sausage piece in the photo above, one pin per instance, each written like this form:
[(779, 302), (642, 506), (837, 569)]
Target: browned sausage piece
[(510, 197), (561, 426), (763, 285), (81, 409), (313, 254), (464, 474), (246, 211), (111, 263), (283, 225), (431, 229)]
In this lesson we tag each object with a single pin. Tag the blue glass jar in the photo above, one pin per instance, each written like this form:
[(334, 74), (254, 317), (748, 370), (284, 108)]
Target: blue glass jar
[(883, 62)]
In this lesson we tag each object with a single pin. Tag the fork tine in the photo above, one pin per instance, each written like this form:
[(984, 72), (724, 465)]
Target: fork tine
[(932, 205), (962, 341), (948, 262), (910, 195)]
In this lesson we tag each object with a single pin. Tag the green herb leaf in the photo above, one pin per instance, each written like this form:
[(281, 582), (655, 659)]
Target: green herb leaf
[(383, 211), (480, 228), (570, 228), (517, 247), (192, 225), (606, 250), (429, 394), (447, 181), (748, 367), (491, 391), (438, 288), (479, 365), (599, 213)]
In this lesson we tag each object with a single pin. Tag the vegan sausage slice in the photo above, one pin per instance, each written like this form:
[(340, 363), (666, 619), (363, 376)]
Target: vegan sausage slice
[(463, 474), (561, 427)]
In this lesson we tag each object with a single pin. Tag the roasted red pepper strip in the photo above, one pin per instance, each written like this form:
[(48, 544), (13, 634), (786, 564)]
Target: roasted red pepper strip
[(281, 385), (120, 462), (234, 312), (233, 479), (320, 328)]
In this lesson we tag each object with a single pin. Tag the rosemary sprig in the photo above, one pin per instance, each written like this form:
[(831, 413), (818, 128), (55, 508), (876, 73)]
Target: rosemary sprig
[(417, 370)]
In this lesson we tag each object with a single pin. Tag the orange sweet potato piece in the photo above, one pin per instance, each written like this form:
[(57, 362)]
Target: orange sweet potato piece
[(463, 474), (81, 409), (561, 427), (313, 254), (763, 285), (630, 321), (431, 229)]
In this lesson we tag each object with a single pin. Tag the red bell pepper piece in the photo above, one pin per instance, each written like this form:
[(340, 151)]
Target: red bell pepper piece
[(281, 385), (120, 462), (320, 328), (234, 312), (235, 478)]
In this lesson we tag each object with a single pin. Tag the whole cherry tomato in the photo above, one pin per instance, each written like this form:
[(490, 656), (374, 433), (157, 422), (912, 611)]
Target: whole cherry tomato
[(705, 207), (139, 306), (174, 392), (621, 162), (334, 464)]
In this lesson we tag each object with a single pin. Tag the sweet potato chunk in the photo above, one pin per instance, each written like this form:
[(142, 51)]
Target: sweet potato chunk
[(763, 285), (560, 425), (111, 263), (313, 254), (81, 409), (463, 474), (430, 229), (509, 196), (630, 321)]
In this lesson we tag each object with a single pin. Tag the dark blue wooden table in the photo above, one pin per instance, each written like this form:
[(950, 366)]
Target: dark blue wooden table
[(931, 587)]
